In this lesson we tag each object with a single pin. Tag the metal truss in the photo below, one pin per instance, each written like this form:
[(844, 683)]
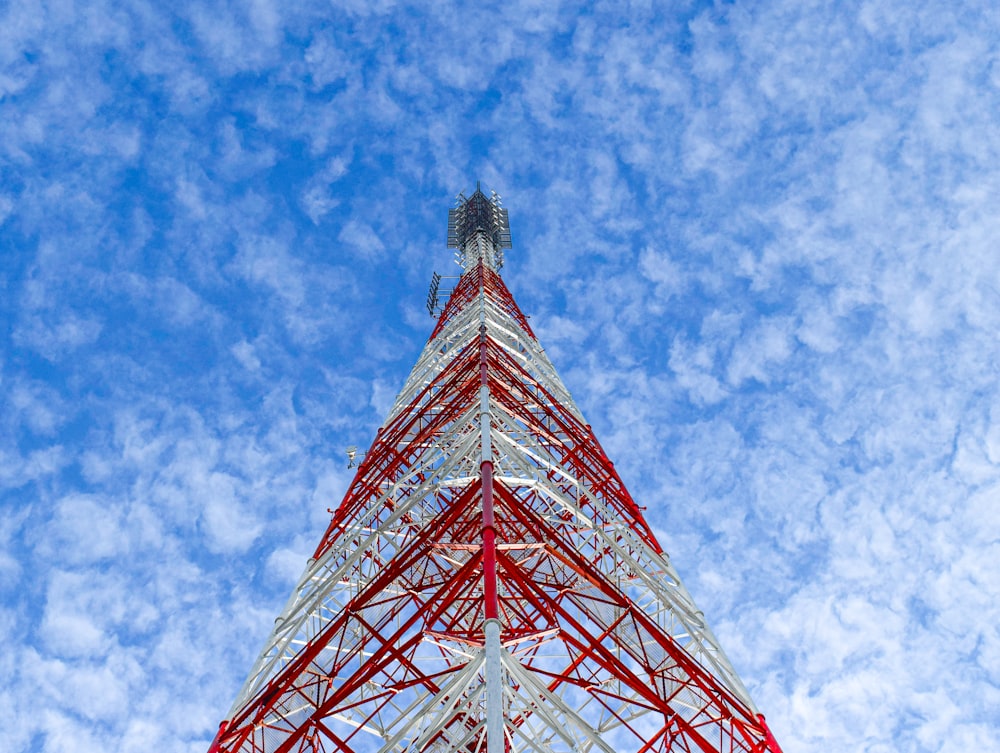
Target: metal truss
[(488, 583)]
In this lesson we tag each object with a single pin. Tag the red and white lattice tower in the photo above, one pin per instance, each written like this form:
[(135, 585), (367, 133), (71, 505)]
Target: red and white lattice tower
[(488, 584)]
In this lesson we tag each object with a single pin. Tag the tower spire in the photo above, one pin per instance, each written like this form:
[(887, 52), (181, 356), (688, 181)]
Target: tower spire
[(478, 227), (487, 583)]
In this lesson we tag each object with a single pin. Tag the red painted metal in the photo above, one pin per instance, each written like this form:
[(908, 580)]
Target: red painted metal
[(491, 605), (214, 747), (435, 536), (772, 744)]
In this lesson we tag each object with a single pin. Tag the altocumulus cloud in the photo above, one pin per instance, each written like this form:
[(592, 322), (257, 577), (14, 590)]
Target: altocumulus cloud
[(758, 240)]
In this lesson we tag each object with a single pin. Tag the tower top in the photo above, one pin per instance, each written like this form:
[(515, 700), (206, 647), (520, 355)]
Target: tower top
[(478, 227)]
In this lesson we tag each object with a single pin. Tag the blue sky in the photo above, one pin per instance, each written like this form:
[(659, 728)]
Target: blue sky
[(758, 240)]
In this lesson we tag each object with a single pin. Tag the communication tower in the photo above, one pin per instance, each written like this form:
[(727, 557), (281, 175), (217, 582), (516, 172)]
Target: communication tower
[(487, 584)]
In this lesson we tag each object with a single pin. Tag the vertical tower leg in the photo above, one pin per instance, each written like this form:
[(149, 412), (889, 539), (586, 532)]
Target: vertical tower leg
[(494, 690), (494, 685)]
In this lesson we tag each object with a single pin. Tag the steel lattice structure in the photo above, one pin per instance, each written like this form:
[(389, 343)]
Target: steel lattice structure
[(487, 583)]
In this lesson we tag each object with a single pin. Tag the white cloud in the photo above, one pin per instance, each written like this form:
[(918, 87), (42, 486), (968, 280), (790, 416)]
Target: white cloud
[(755, 355), (318, 199), (244, 353), (383, 396), (286, 565), (362, 240), (658, 267), (230, 524), (6, 207), (85, 529), (326, 63), (56, 339), (68, 634), (693, 369)]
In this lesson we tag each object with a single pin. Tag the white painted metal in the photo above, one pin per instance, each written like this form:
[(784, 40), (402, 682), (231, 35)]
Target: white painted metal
[(494, 689)]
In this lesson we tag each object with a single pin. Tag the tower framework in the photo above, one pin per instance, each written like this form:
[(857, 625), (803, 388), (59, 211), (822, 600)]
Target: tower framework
[(487, 583)]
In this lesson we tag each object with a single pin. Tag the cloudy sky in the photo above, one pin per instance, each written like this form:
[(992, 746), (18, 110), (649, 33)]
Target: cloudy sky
[(759, 240)]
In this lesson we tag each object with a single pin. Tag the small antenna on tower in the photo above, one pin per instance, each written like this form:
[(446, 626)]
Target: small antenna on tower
[(432, 294), (435, 293), (352, 454), (478, 227)]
